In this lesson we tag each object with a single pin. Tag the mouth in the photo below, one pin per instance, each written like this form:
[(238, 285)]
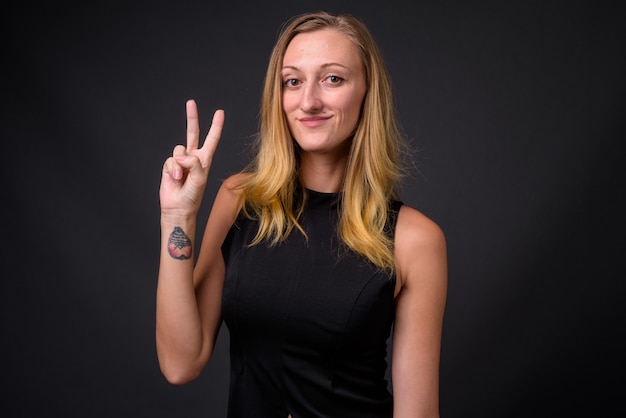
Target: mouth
[(313, 121)]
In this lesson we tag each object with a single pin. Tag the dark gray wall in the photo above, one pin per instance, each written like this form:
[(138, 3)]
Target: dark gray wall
[(516, 109)]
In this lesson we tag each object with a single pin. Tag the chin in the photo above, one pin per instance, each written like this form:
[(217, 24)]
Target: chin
[(321, 143)]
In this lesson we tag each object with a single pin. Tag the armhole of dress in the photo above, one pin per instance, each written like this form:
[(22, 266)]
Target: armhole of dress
[(392, 218), (390, 227)]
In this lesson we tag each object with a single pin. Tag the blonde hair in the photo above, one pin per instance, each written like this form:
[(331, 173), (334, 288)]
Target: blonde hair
[(373, 168)]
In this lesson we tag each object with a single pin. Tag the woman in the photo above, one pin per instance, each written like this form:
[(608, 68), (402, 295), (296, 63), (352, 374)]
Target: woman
[(308, 255)]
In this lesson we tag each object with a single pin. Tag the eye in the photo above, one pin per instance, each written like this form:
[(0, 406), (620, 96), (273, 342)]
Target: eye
[(333, 80), (291, 82)]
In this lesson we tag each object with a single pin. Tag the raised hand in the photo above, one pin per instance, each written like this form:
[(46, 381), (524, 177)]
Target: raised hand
[(185, 172)]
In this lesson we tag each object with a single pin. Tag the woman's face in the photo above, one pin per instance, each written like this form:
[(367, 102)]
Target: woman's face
[(323, 90)]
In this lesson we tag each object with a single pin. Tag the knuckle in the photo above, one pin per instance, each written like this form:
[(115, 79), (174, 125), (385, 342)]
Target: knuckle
[(178, 150)]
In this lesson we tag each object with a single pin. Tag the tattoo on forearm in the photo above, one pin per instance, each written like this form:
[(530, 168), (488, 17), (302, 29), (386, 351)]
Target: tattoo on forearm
[(179, 244)]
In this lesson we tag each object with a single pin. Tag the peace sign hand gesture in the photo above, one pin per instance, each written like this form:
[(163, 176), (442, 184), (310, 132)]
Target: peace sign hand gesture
[(185, 172)]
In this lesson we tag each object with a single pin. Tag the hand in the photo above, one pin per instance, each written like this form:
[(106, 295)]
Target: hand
[(185, 172)]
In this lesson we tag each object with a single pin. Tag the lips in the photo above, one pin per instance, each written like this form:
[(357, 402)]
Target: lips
[(313, 121)]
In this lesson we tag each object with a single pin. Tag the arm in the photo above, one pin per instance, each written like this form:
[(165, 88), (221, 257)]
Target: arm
[(188, 302), (421, 264)]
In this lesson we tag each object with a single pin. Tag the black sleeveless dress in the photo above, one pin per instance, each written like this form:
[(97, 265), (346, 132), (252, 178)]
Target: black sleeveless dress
[(308, 322)]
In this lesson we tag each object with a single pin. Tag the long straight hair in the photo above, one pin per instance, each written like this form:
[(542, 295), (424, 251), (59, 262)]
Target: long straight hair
[(373, 169)]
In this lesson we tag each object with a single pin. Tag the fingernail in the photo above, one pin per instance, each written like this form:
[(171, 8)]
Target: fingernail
[(178, 174)]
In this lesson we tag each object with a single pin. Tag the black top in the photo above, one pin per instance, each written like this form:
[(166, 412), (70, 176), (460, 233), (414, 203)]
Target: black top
[(308, 322)]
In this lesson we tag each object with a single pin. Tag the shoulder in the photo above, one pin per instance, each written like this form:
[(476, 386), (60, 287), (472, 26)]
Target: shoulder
[(230, 191), (420, 248), (234, 183), (226, 206), (414, 229)]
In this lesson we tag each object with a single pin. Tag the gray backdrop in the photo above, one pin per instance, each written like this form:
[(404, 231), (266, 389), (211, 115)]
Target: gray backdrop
[(514, 109)]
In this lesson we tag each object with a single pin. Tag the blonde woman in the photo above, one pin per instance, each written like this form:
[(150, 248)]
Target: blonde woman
[(308, 256)]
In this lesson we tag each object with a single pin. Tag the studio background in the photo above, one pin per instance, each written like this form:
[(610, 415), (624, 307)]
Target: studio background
[(515, 111)]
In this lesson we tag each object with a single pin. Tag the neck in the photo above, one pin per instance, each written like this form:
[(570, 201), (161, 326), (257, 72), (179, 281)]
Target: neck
[(322, 173)]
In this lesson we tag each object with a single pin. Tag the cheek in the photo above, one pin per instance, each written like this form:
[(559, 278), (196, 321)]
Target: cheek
[(352, 110), (289, 103)]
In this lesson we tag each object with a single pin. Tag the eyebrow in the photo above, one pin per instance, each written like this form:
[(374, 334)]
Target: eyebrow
[(330, 64)]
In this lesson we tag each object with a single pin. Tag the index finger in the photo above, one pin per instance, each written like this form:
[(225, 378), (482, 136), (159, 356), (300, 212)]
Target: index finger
[(215, 132), (193, 126)]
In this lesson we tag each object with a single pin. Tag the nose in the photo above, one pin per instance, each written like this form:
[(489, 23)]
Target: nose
[(311, 100)]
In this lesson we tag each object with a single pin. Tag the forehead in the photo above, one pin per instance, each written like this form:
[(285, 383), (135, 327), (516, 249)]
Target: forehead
[(325, 45)]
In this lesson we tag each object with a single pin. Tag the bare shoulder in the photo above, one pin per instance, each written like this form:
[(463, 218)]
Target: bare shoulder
[(225, 209), (226, 206), (234, 183), (228, 196), (416, 229), (420, 247)]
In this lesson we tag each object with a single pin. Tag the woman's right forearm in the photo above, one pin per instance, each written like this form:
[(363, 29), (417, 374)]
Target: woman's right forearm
[(179, 338)]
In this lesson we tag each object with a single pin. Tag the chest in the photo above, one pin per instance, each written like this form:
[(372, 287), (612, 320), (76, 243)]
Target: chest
[(308, 290)]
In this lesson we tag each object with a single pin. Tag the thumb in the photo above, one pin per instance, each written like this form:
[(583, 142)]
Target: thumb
[(193, 166)]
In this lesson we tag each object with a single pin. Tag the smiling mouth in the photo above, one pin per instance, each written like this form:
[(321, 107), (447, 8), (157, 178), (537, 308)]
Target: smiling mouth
[(313, 121)]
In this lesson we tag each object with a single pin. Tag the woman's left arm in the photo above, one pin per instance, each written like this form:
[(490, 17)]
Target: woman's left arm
[(422, 276)]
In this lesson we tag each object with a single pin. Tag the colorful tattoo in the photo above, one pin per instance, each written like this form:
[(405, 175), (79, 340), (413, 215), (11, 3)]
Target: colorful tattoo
[(179, 244)]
